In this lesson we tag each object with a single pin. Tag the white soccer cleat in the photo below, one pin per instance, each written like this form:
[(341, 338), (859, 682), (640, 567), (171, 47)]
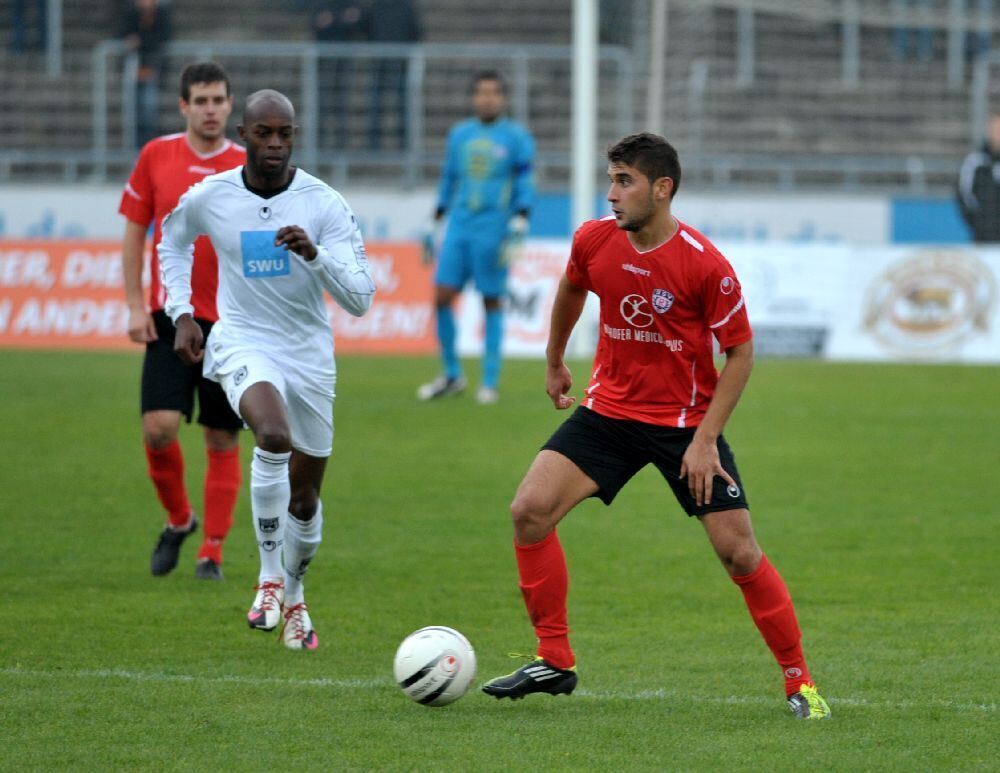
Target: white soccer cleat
[(487, 395), (442, 386), (265, 612), (298, 633)]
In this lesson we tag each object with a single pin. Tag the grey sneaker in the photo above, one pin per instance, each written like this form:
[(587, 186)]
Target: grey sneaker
[(442, 386), (487, 395)]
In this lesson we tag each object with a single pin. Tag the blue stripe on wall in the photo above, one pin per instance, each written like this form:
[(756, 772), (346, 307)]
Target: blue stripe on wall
[(927, 221)]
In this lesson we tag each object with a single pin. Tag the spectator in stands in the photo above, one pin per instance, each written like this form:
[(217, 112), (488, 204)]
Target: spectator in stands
[(27, 25), (979, 40), (338, 21), (908, 38), (392, 21), (146, 29), (979, 186)]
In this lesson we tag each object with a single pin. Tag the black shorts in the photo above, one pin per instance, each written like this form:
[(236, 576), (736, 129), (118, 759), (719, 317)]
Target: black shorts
[(170, 385), (611, 451)]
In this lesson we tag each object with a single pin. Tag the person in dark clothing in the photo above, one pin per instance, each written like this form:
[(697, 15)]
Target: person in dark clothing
[(338, 21), (28, 25), (146, 29), (392, 21), (979, 186)]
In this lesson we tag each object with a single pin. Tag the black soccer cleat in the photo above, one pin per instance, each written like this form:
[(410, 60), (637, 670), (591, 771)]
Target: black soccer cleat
[(207, 569), (168, 548), (536, 676)]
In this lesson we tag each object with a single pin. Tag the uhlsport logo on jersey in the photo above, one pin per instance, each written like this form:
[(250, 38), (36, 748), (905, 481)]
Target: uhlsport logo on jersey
[(929, 303), (261, 257), (662, 301)]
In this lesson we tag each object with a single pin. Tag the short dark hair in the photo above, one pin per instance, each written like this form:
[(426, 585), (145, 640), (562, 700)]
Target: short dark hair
[(489, 75), (651, 154), (202, 72)]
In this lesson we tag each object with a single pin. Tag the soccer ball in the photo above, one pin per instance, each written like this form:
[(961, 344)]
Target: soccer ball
[(435, 665)]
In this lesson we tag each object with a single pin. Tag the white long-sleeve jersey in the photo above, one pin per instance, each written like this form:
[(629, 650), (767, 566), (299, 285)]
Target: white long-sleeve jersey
[(269, 298)]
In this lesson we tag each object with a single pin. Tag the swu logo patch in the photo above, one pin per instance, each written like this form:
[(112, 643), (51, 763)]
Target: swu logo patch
[(261, 258)]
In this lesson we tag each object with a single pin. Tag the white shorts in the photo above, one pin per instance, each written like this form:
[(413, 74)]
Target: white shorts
[(308, 399)]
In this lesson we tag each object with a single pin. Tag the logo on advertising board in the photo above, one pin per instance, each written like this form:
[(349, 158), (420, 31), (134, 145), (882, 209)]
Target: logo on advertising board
[(928, 303)]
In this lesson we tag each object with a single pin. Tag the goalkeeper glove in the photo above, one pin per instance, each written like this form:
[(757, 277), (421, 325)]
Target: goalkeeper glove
[(431, 241), (513, 243)]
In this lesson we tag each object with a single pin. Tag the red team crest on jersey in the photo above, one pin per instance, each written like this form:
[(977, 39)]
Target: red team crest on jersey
[(662, 301)]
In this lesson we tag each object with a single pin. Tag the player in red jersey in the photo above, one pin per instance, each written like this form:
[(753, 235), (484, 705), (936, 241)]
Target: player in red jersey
[(166, 168), (654, 397)]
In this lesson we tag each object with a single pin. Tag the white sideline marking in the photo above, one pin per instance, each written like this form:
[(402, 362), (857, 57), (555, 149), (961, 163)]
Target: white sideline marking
[(153, 676), (370, 684)]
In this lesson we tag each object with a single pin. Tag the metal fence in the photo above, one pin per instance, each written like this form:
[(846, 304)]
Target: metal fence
[(432, 94)]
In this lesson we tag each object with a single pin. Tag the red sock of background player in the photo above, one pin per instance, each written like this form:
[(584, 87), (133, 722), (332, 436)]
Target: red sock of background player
[(166, 469), (544, 584), (222, 488), (771, 609)]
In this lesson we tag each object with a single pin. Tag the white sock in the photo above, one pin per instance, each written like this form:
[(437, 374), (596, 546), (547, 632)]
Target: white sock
[(269, 495), (302, 540)]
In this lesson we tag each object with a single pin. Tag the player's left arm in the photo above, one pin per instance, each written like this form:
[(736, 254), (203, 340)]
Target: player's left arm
[(701, 461), (523, 194), (725, 315), (338, 260)]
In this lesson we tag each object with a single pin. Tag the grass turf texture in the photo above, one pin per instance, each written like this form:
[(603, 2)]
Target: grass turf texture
[(872, 489)]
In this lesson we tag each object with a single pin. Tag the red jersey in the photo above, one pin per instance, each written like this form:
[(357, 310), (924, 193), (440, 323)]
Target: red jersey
[(166, 168), (659, 312)]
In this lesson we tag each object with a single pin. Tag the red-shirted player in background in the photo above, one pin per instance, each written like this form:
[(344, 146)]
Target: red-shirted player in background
[(654, 397), (166, 168)]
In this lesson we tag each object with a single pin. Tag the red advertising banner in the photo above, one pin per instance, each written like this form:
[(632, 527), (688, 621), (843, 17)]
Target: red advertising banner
[(68, 294)]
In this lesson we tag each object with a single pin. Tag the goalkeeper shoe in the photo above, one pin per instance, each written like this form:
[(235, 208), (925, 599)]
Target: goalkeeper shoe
[(807, 703), (298, 633), (536, 676), (487, 395), (442, 386), (266, 609), (168, 548)]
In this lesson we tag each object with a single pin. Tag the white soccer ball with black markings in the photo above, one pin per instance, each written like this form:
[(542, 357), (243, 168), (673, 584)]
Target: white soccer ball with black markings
[(435, 665)]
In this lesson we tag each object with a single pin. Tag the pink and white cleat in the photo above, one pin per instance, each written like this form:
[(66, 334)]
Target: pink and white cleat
[(266, 609), (298, 633)]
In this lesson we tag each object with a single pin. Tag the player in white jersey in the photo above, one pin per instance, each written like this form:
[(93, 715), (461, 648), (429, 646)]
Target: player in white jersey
[(282, 237)]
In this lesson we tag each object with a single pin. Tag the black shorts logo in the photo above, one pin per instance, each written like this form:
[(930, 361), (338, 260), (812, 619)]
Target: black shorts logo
[(241, 374), (733, 491), (268, 525)]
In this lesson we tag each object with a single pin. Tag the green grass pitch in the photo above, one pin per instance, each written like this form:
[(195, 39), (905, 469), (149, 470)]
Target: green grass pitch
[(873, 490)]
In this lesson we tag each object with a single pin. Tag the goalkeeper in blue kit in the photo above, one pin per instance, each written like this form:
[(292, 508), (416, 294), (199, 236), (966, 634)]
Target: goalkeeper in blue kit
[(487, 190)]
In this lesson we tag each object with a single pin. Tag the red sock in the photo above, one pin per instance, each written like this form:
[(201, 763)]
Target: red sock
[(771, 609), (166, 468), (222, 487), (544, 584)]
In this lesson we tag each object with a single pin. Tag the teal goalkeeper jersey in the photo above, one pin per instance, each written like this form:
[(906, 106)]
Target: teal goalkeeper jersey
[(487, 171)]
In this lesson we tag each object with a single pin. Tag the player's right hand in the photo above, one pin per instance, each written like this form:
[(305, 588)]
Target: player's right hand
[(189, 342), (141, 327), (558, 381)]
